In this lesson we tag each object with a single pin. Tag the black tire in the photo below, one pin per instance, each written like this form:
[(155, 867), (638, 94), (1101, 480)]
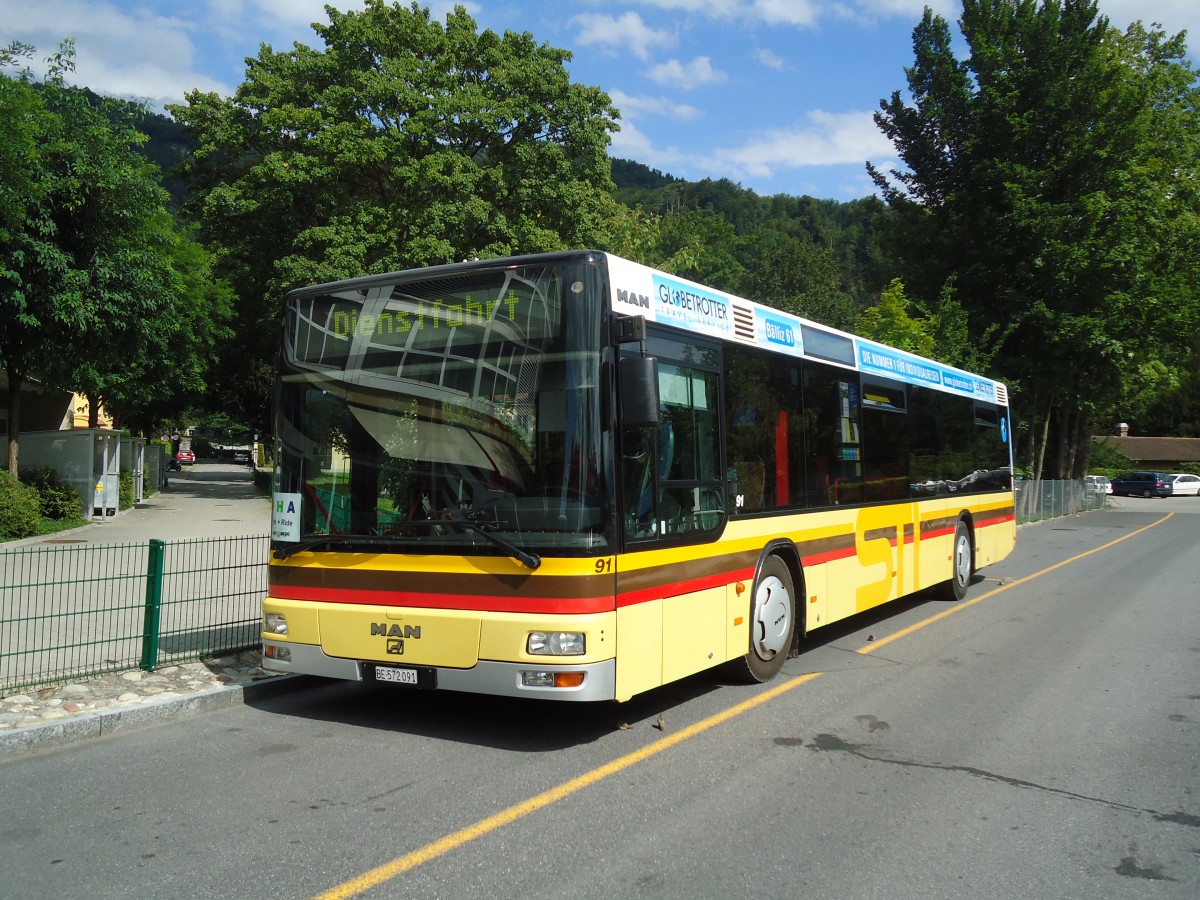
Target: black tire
[(963, 563), (1147, 493), (772, 623)]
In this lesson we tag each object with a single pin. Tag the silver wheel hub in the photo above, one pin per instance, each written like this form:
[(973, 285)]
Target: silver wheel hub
[(771, 618), (962, 559)]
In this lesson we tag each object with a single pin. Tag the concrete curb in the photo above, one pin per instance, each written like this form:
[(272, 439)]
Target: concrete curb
[(74, 730)]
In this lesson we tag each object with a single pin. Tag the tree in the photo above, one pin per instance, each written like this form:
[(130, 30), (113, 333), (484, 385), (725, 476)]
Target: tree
[(1051, 179), (403, 142), (783, 267), (890, 323), (90, 294), (26, 230)]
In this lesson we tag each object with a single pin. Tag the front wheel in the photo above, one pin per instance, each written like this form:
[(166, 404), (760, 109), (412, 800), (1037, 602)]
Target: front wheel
[(772, 623), (963, 564)]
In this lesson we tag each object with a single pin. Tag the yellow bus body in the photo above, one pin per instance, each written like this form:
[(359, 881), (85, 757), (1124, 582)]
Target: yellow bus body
[(649, 617)]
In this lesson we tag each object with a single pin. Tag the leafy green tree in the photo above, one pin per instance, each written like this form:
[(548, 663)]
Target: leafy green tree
[(1051, 179), (783, 267), (90, 295), (39, 294), (167, 366), (400, 142), (890, 323)]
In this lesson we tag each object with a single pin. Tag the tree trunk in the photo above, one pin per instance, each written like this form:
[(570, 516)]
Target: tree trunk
[(93, 410), (15, 379), (1039, 453), (1082, 451), (1062, 442)]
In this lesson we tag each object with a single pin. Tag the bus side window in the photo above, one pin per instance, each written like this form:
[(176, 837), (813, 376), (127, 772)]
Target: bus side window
[(638, 455)]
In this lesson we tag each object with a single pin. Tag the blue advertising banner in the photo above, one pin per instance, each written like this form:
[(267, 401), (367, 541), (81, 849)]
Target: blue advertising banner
[(893, 364), (692, 307)]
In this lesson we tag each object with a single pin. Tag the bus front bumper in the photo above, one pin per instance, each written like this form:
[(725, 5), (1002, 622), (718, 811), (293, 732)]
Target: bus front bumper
[(501, 679)]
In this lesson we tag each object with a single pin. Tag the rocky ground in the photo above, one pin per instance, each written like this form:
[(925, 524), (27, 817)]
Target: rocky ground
[(118, 690)]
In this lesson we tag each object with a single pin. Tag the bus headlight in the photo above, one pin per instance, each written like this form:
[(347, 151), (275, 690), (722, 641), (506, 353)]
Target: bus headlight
[(555, 643), (275, 623)]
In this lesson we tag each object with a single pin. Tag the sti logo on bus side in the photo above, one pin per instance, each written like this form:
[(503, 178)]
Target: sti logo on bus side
[(633, 298)]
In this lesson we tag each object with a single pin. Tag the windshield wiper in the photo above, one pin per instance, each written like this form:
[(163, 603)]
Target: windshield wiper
[(527, 559)]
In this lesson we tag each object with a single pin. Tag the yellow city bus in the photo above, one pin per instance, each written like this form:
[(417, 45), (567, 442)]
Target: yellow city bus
[(571, 476)]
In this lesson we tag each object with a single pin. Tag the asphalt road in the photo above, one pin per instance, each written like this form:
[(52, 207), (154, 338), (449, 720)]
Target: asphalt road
[(1036, 740)]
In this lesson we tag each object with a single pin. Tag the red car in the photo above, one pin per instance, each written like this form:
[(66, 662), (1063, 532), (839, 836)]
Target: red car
[(186, 456)]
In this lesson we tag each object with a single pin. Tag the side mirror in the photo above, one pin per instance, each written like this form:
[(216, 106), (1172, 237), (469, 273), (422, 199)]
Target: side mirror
[(639, 391)]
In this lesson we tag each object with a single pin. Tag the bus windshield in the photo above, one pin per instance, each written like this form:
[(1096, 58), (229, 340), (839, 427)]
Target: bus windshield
[(456, 413)]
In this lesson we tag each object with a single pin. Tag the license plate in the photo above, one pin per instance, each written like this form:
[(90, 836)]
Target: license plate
[(421, 677), (397, 676)]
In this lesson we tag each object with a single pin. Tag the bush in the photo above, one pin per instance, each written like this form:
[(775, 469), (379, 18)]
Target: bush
[(125, 499), (20, 509), (58, 499)]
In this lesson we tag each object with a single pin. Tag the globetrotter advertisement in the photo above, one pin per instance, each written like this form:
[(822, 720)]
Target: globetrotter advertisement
[(641, 291), (692, 307)]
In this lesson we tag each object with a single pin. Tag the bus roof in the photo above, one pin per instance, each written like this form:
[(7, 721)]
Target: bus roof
[(670, 300), (636, 289)]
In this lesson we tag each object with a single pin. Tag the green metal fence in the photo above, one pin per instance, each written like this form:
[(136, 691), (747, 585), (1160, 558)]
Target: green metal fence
[(72, 612)]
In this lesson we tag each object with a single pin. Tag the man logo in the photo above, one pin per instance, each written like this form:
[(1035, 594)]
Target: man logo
[(395, 646), (633, 298)]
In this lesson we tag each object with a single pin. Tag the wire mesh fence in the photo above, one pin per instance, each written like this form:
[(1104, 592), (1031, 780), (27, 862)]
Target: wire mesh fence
[(73, 612), (1038, 500)]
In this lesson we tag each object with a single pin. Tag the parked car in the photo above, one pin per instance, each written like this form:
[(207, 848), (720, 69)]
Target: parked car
[(1142, 484), (1096, 485), (186, 457), (1185, 485)]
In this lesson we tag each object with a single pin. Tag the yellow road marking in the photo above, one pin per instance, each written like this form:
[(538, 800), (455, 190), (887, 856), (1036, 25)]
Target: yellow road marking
[(400, 865), (966, 604), (380, 874)]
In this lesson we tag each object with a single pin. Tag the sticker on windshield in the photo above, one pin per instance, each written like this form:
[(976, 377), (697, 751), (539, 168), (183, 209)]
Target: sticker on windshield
[(285, 518)]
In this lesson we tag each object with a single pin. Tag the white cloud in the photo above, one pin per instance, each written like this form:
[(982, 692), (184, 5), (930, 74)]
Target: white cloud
[(633, 107), (126, 53), (827, 139), (769, 59), (698, 72), (627, 33), (631, 143), (1173, 15), (801, 13)]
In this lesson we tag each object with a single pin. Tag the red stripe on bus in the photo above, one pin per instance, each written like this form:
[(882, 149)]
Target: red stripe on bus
[(675, 589), (818, 559), (472, 602)]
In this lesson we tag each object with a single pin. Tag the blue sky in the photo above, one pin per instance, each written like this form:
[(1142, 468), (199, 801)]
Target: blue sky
[(776, 95)]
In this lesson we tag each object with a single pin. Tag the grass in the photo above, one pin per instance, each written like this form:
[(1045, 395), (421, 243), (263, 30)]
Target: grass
[(53, 526)]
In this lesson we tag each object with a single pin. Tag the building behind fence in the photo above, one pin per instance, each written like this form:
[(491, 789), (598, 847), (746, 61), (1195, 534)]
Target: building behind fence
[(72, 612)]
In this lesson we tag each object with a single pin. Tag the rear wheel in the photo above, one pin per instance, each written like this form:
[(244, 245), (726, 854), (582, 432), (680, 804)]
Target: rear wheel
[(772, 623), (963, 561)]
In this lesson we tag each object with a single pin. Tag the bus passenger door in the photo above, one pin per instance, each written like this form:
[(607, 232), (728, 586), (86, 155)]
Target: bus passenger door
[(671, 600)]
